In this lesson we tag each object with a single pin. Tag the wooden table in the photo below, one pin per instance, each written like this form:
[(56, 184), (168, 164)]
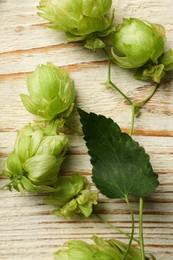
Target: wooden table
[(27, 230)]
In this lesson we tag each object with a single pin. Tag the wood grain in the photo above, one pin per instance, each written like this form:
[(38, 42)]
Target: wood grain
[(27, 229)]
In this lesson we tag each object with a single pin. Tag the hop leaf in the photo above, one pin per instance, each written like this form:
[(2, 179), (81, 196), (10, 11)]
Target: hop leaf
[(51, 92), (120, 166)]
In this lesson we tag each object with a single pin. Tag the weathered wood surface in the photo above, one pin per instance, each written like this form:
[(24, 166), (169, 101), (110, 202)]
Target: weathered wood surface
[(27, 230)]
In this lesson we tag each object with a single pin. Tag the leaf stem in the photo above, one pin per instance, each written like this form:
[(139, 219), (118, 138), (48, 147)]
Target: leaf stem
[(133, 227), (141, 228), (117, 229)]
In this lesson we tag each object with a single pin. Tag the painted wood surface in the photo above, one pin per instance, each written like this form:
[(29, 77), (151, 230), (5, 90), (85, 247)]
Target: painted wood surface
[(27, 230)]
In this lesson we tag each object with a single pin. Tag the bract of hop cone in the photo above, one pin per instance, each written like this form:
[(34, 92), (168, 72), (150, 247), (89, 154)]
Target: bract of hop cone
[(80, 19), (34, 163), (51, 93), (72, 196)]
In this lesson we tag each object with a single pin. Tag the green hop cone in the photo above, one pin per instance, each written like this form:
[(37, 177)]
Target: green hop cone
[(36, 160), (137, 42), (101, 250), (79, 19), (72, 196), (51, 92)]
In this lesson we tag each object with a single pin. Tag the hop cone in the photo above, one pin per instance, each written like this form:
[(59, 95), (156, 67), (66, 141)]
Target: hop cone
[(51, 92), (36, 160)]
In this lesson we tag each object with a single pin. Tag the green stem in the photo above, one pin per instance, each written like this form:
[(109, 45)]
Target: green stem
[(141, 229), (142, 103), (117, 229), (136, 107), (109, 71), (135, 110), (133, 227), (133, 118), (109, 82), (107, 54), (121, 93)]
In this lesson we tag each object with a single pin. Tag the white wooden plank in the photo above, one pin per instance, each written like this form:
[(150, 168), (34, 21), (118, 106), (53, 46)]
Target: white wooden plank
[(19, 19), (92, 96)]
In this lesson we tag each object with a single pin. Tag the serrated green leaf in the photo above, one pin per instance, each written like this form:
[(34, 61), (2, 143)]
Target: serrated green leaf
[(120, 166)]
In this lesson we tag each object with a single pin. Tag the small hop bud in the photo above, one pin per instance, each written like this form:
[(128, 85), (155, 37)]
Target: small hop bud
[(51, 92), (72, 196), (167, 60), (79, 19), (36, 160), (152, 72), (137, 42)]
